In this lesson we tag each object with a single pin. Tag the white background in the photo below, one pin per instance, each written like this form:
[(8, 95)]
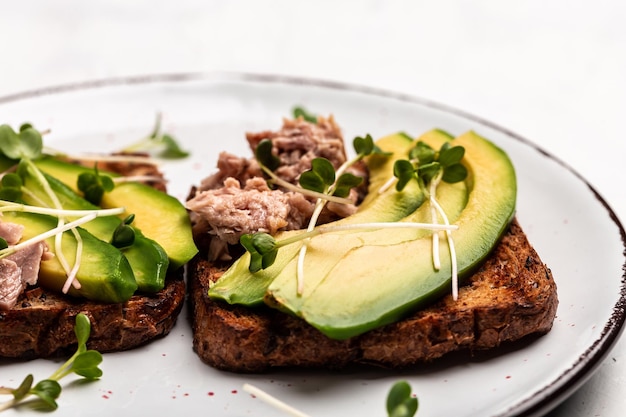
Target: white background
[(551, 71)]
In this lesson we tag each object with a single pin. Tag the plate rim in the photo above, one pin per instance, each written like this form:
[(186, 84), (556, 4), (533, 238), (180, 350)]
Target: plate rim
[(556, 391)]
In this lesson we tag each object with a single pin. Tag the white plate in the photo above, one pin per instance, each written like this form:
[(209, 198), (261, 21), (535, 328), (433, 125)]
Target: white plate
[(573, 229)]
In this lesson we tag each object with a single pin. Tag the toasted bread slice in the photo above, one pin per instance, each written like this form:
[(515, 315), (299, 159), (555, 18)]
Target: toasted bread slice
[(42, 323), (511, 296)]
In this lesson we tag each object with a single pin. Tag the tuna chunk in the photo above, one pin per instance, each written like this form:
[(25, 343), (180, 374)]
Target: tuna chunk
[(231, 166), (232, 211), (11, 232), (19, 269), (11, 285), (237, 200), (296, 144), (299, 142)]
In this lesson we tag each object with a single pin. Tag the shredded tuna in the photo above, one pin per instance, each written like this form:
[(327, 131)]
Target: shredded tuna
[(299, 142), (231, 166), (237, 200), (231, 211)]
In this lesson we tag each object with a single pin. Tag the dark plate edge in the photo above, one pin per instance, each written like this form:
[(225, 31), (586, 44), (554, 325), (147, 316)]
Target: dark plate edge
[(549, 396)]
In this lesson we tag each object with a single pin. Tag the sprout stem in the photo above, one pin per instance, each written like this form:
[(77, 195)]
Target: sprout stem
[(434, 218), (9, 404), (71, 277), (10, 206), (319, 206), (279, 181), (103, 158), (50, 233), (387, 185), (257, 392), (138, 178), (451, 248)]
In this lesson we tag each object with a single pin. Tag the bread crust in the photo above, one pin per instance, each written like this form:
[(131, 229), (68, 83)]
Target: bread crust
[(42, 323), (511, 296)]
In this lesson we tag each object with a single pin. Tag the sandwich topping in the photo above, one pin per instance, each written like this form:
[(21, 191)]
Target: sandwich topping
[(19, 269), (45, 196), (462, 189), (238, 200)]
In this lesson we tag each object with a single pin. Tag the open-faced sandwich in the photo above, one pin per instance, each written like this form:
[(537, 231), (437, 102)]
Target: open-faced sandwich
[(78, 239), (398, 256)]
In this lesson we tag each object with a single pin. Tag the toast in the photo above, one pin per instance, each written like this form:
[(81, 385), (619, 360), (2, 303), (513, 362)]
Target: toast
[(512, 295), (508, 293), (507, 296), (41, 324)]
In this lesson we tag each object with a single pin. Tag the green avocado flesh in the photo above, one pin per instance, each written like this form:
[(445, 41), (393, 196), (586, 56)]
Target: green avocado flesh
[(360, 281), (377, 285), (326, 252), (147, 258), (159, 216), (104, 272), (239, 286)]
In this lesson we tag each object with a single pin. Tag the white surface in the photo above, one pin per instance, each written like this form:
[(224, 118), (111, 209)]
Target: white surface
[(549, 71)]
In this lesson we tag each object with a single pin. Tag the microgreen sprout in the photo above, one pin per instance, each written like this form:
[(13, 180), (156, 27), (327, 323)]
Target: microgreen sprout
[(83, 363), (322, 179), (12, 206), (138, 178), (299, 111), (263, 249), (43, 236), (11, 187), (93, 185), (124, 234), (425, 164), (269, 162), (429, 167), (157, 139), (86, 157), (70, 270), (273, 401), (400, 401), (26, 146), (265, 157), (322, 182), (85, 216), (334, 183)]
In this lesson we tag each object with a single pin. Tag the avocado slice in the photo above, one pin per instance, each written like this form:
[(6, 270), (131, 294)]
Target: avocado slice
[(104, 273), (239, 286), (146, 257), (374, 285), (326, 251), (159, 216)]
